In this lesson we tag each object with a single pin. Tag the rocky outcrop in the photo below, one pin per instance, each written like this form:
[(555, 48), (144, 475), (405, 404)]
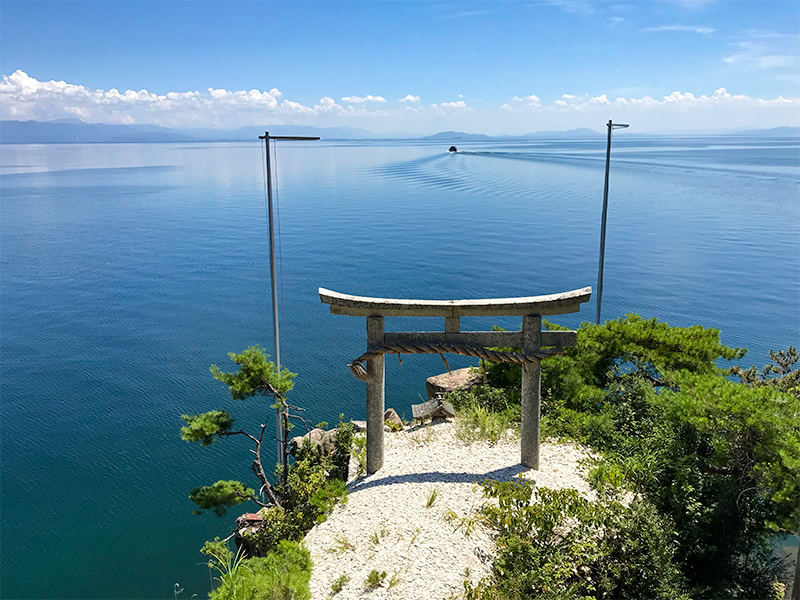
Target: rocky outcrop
[(447, 382), (323, 440), (392, 419)]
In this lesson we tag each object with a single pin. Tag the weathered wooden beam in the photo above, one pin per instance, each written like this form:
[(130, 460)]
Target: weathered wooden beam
[(484, 339), (361, 306)]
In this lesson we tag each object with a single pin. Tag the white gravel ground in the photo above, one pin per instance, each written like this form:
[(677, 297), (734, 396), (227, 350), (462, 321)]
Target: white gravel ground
[(386, 526)]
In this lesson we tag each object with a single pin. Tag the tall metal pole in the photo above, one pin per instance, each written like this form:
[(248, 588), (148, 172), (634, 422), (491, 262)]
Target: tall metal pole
[(603, 221), (273, 271), (274, 278)]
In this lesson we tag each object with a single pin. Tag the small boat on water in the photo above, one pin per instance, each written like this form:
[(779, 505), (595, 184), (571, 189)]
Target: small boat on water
[(453, 149)]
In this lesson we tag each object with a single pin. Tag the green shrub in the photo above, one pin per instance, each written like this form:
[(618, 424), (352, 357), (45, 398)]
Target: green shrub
[(283, 574), (310, 498), (562, 545), (484, 412), (719, 459)]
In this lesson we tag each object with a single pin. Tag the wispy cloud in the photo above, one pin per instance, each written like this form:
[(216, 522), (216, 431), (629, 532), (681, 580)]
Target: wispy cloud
[(757, 56), (466, 14), (363, 99), (681, 28), (576, 7)]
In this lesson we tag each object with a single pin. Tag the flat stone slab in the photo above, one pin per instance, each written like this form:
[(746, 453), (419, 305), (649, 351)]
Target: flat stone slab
[(447, 382)]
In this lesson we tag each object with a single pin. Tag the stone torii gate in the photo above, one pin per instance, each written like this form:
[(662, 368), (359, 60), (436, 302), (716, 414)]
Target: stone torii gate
[(531, 339)]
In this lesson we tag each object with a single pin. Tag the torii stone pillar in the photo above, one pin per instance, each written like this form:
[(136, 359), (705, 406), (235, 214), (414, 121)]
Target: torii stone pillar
[(530, 338)]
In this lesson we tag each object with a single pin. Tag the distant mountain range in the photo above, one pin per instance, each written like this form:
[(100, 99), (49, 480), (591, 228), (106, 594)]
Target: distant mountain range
[(447, 136), (67, 131), (70, 131)]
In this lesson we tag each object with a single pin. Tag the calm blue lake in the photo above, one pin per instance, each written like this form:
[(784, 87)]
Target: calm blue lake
[(128, 269)]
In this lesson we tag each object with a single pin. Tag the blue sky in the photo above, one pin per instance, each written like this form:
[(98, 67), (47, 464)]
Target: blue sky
[(408, 67)]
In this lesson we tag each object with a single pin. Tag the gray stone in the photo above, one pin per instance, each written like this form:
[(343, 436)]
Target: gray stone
[(392, 419), (321, 439), (327, 444), (447, 382), (359, 426)]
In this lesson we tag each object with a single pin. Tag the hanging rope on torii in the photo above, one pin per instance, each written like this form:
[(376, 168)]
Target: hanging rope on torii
[(530, 338), (357, 366)]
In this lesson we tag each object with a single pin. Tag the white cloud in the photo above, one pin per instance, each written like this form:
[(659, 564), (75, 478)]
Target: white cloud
[(755, 56), (363, 99), (24, 97), (532, 101), (458, 105), (721, 99), (683, 28)]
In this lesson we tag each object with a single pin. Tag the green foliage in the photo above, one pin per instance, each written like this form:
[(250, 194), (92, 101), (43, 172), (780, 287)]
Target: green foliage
[(280, 575), (393, 427), (485, 413), (329, 495), (256, 375), (434, 493), (719, 459), (556, 544), (359, 451), (308, 498), (339, 462), (375, 579), (339, 583), (205, 427), (220, 497), (781, 373), (493, 399)]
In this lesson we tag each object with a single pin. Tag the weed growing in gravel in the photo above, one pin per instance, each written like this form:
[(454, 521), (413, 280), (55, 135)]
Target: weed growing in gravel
[(377, 536), (434, 493), (340, 544), (339, 583), (375, 579), (414, 537), (394, 580), (469, 523), (424, 436)]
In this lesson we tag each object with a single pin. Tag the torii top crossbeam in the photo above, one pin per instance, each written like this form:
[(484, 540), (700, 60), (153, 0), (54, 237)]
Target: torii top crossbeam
[(361, 306), (530, 339)]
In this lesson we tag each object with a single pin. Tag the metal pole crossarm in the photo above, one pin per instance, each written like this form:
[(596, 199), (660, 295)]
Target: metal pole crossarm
[(285, 137)]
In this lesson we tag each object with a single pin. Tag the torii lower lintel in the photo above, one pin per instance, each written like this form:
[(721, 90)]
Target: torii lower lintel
[(531, 339)]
